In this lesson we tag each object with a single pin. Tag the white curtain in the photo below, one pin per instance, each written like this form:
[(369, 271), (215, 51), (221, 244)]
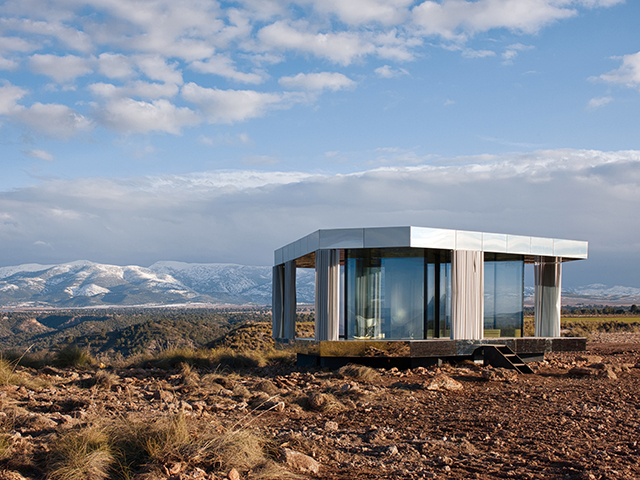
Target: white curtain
[(290, 303), (548, 297), (327, 294), (277, 301), (467, 295)]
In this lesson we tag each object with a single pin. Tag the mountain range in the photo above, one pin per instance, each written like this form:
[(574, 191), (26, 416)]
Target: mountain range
[(89, 284), (85, 284)]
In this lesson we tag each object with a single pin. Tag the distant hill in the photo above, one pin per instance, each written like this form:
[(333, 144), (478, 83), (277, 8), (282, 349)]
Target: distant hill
[(88, 284)]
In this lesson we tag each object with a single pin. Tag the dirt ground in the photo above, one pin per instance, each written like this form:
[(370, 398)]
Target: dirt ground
[(577, 417)]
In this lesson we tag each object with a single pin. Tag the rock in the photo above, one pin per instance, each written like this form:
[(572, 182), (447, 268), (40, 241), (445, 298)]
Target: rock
[(233, 474), (608, 373), (499, 374), (589, 358), (443, 382), (299, 461), (391, 450), (331, 426), (163, 395)]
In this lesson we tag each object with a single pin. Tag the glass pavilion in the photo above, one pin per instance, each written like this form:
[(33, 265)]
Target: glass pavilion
[(415, 283)]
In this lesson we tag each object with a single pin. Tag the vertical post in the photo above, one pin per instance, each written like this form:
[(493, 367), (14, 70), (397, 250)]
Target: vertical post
[(290, 302), (327, 294), (467, 295), (548, 296), (277, 302)]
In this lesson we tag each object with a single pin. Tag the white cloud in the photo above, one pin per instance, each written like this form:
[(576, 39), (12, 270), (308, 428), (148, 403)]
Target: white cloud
[(61, 68), (357, 12), (599, 102), (40, 155), (130, 116), (115, 65), (229, 106), (16, 44), (227, 139), (8, 64), (223, 65), (388, 72), (458, 19), (512, 51), (318, 81), (58, 121), (238, 216), (137, 89), (340, 47), (9, 95), (470, 53), (70, 37), (156, 68), (628, 73)]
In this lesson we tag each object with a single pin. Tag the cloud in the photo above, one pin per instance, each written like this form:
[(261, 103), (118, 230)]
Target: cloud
[(627, 74), (61, 68), (341, 47), (459, 19), (156, 68), (130, 116), (53, 120), (223, 65), (242, 216), (137, 89), (318, 81), (470, 53), (230, 106), (512, 51), (599, 102), (357, 12), (115, 65), (9, 95), (40, 155), (387, 72)]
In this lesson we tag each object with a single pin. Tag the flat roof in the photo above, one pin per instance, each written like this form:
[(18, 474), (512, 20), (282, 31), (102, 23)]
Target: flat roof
[(436, 238)]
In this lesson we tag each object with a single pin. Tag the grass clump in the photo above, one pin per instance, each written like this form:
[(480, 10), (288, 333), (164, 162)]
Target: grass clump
[(73, 356), (82, 455), (360, 373)]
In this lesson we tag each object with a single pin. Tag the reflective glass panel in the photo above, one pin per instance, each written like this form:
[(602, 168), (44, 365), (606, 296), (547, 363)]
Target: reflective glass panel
[(503, 295), (385, 293)]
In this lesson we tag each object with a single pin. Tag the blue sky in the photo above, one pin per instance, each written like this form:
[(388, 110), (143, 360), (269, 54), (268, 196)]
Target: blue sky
[(204, 131)]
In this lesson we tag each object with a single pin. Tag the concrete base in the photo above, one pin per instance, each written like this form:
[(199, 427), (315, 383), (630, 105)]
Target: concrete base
[(405, 354)]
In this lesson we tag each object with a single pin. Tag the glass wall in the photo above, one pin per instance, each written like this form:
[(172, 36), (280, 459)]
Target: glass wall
[(503, 295), (402, 293)]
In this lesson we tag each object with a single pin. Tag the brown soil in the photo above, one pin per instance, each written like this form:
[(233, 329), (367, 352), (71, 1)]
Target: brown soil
[(578, 417)]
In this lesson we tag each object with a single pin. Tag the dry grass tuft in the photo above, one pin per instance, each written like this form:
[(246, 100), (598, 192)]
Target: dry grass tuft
[(360, 373), (82, 455), (73, 356), (242, 449)]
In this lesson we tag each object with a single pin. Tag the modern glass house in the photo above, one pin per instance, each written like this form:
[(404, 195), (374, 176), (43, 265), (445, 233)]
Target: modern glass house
[(415, 283)]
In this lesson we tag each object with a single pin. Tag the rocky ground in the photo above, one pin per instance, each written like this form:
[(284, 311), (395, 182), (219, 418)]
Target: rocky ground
[(577, 417)]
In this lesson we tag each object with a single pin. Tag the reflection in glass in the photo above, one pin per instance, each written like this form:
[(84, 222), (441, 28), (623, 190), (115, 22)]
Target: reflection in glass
[(503, 295)]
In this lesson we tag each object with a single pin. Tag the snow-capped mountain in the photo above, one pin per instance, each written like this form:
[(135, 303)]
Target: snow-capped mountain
[(84, 283)]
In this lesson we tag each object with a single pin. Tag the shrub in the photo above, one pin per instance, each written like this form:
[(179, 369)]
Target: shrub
[(73, 356)]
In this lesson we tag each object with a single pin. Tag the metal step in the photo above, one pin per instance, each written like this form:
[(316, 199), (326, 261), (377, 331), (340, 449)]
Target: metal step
[(501, 356)]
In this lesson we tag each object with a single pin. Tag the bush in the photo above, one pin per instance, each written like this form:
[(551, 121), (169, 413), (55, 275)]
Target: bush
[(73, 356)]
